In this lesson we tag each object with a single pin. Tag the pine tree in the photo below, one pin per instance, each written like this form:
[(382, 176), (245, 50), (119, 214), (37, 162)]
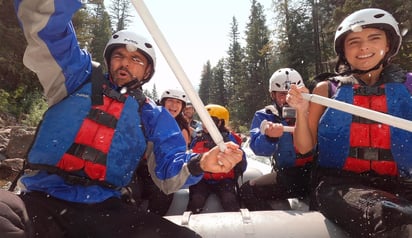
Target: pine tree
[(205, 80), (218, 92), (236, 77), (119, 13), (257, 50), (101, 32)]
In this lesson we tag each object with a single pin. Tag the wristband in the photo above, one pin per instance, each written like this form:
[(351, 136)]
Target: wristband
[(194, 165)]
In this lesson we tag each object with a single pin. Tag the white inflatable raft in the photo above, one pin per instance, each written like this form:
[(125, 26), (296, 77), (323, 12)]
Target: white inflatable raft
[(213, 222), (260, 224)]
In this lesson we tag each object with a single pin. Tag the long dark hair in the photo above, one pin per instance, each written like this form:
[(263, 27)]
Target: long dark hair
[(182, 122)]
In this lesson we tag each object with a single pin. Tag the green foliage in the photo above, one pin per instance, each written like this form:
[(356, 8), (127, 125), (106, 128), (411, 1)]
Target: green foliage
[(4, 95), (20, 91), (23, 104), (205, 83), (243, 130), (302, 38), (218, 92), (257, 57), (154, 94), (37, 108)]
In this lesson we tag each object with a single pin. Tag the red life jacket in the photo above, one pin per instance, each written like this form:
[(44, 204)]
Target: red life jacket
[(91, 145), (237, 138), (85, 136), (204, 146), (370, 147)]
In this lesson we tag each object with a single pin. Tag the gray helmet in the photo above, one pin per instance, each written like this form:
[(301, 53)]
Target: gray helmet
[(282, 78), (369, 18), (133, 42)]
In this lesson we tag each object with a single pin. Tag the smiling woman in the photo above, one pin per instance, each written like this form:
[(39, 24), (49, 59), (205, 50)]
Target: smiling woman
[(175, 101), (362, 179)]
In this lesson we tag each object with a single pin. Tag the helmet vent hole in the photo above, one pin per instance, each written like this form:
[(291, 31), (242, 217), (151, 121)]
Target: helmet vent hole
[(379, 15), (148, 45), (115, 36)]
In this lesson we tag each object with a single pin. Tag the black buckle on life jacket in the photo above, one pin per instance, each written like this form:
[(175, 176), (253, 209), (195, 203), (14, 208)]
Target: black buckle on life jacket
[(362, 120), (102, 117), (87, 153), (365, 91), (371, 153)]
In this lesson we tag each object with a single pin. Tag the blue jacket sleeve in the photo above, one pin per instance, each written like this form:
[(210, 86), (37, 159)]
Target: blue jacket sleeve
[(260, 144), (169, 149), (52, 49)]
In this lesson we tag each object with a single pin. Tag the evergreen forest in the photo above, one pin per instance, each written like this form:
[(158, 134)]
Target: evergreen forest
[(301, 39)]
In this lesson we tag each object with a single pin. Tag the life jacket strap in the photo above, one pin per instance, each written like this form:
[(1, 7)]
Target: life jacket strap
[(362, 120), (72, 177), (79, 180), (371, 153), (102, 117), (367, 91), (88, 153), (98, 81)]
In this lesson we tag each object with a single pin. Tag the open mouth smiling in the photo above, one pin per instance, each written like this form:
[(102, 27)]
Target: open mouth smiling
[(365, 56)]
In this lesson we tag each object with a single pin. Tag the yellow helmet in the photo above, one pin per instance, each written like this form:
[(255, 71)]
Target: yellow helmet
[(219, 112)]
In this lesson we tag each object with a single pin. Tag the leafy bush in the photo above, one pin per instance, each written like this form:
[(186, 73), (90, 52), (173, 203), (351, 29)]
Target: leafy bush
[(38, 106), (4, 95), (26, 109)]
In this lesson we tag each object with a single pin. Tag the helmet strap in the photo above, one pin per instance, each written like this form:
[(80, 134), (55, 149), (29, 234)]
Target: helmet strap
[(358, 71), (133, 84)]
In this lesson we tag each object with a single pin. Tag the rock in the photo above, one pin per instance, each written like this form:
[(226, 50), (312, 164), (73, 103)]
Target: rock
[(9, 170), (14, 144), (4, 138), (20, 142), (5, 172)]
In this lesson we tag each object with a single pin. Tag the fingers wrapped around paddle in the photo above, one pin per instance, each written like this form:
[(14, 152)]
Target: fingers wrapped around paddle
[(295, 98), (217, 161)]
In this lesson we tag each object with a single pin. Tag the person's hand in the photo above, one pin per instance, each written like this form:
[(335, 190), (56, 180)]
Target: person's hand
[(295, 99), (271, 129), (216, 161)]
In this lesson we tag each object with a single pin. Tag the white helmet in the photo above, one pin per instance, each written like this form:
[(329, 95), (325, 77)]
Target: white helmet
[(133, 42), (173, 93), (282, 79), (369, 18)]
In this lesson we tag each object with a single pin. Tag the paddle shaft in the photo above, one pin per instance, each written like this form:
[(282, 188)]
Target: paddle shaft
[(177, 69), (360, 111)]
